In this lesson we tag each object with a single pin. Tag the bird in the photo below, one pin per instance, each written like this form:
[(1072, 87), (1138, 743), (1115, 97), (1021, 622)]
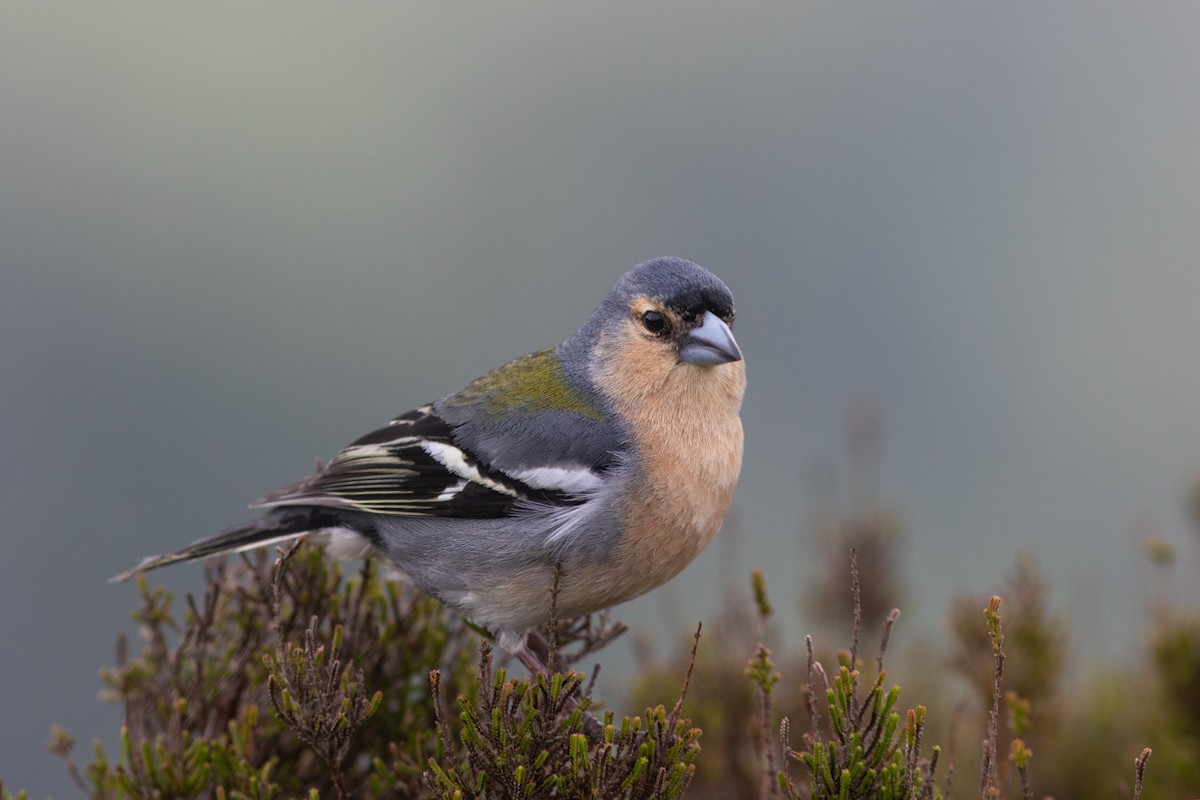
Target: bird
[(557, 485)]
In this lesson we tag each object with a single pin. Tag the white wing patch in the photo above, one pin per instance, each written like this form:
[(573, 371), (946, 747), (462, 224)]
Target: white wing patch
[(573, 480), (455, 460), (452, 490)]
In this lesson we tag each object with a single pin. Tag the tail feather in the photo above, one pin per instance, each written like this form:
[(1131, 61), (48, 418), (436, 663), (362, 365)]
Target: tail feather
[(271, 528)]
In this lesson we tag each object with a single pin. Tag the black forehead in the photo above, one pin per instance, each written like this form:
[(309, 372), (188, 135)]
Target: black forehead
[(697, 301), (679, 285)]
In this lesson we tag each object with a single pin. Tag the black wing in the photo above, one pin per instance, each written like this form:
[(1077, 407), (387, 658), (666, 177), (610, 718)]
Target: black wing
[(413, 467)]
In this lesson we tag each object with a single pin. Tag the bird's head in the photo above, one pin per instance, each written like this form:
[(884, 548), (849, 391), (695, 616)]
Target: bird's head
[(678, 308), (669, 309)]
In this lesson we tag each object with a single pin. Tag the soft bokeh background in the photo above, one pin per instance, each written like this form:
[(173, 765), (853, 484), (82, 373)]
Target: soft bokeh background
[(233, 238)]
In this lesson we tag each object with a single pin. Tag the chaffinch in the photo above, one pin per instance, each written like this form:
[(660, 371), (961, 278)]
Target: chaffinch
[(608, 460)]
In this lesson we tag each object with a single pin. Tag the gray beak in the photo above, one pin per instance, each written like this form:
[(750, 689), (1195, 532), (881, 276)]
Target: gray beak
[(709, 343)]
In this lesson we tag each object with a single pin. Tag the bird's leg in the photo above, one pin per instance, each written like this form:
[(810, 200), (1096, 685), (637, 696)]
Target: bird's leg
[(530, 659), (519, 646)]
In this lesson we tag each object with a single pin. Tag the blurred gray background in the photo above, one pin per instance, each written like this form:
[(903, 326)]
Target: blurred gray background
[(233, 238)]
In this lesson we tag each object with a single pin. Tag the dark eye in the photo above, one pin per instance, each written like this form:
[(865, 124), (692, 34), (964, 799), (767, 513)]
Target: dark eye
[(654, 322)]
